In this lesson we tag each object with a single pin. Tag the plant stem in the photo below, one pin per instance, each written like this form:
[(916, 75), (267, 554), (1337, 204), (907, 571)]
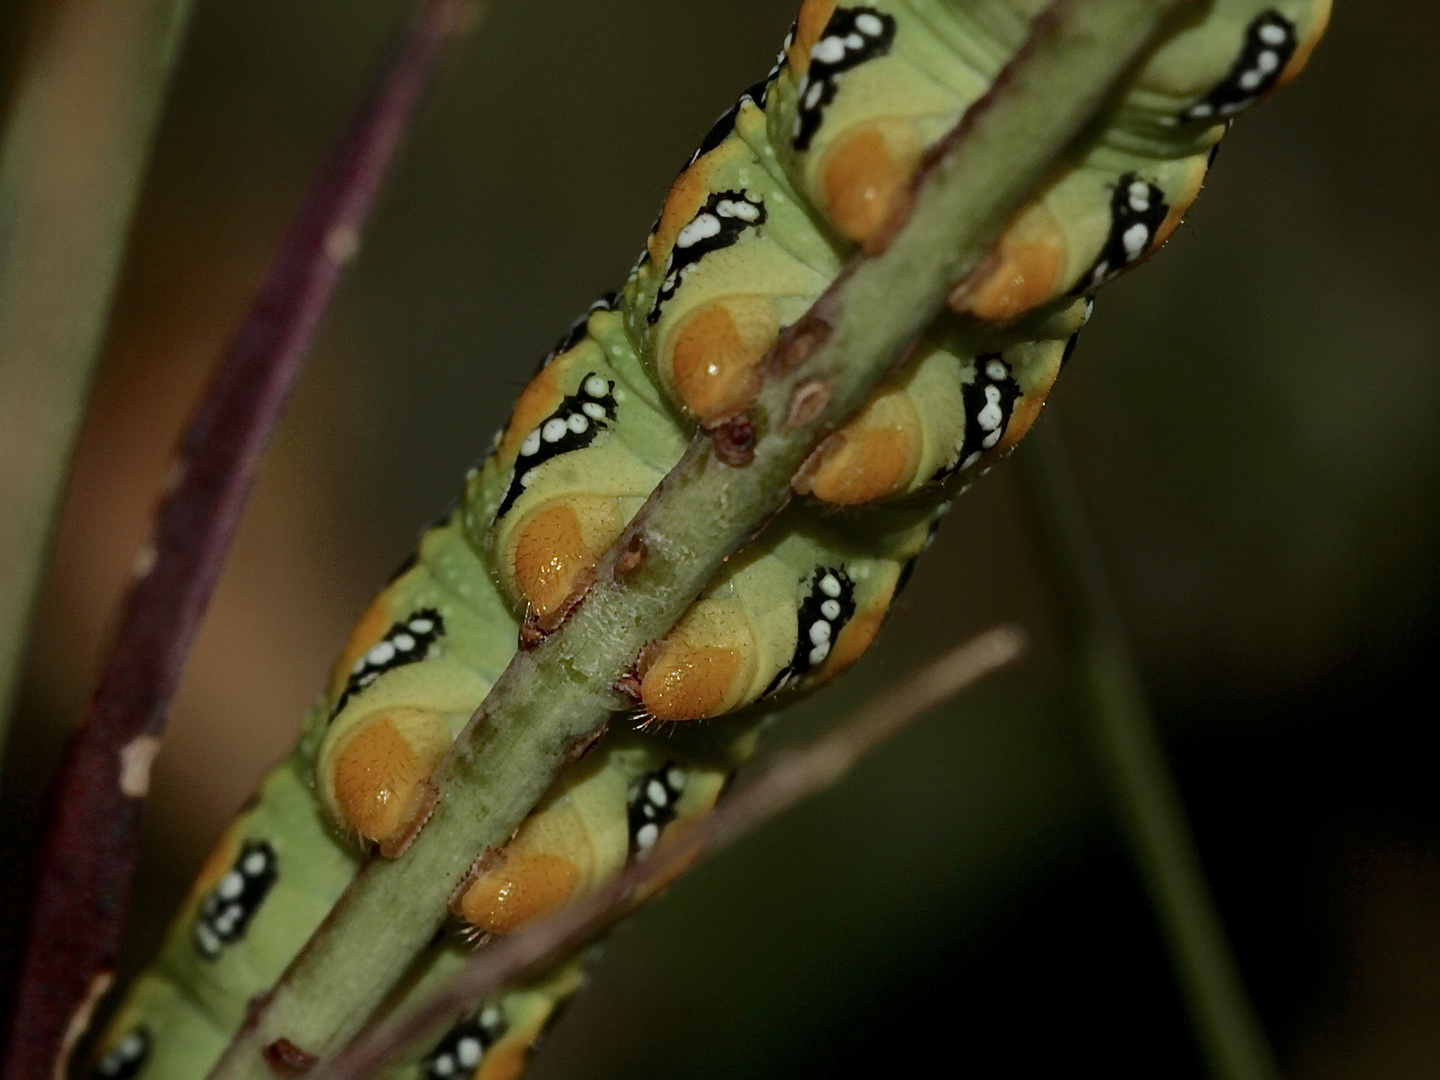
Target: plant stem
[(77, 913), (555, 697), (781, 783), (1151, 814), (74, 152)]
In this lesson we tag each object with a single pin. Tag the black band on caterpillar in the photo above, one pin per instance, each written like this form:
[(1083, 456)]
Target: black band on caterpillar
[(406, 642)]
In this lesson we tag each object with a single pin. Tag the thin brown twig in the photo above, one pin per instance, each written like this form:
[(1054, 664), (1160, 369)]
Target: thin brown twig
[(78, 907), (788, 778)]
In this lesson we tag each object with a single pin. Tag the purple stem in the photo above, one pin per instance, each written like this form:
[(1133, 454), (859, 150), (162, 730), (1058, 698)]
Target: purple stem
[(82, 887)]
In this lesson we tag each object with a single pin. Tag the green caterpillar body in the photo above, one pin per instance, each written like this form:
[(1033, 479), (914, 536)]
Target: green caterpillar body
[(810, 163)]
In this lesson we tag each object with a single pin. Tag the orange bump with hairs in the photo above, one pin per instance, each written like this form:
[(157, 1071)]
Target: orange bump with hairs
[(704, 667), (714, 353), (378, 768), (534, 874), (874, 455), (864, 173), (556, 544), (1030, 256)]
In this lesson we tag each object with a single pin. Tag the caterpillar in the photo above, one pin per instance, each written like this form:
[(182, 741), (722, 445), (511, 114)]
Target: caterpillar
[(804, 168)]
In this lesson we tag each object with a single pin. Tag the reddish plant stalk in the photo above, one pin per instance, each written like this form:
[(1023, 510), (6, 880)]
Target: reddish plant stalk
[(87, 863)]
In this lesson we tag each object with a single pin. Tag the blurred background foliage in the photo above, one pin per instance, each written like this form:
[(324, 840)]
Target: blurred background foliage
[(1251, 417)]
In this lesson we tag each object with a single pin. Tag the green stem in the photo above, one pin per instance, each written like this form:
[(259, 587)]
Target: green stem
[(1149, 807), (557, 696), (73, 156)]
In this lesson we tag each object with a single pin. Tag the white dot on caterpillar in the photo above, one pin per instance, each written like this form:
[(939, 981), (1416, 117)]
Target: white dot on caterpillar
[(990, 440), (231, 886), (209, 943), (854, 41), (830, 585), (1271, 34), (646, 835), (577, 423), (655, 792), (554, 430), (828, 50), (594, 410), (131, 1046), (1135, 238), (1139, 195), (490, 1017), (468, 1051), (990, 416), (421, 626), (819, 652), (1251, 79), (812, 96), (819, 632), (255, 863), (745, 211), (382, 653), (444, 1065), (996, 370), (702, 228), (403, 642), (970, 460), (595, 386), (531, 444), (1202, 110), (676, 779), (869, 25), (830, 609)]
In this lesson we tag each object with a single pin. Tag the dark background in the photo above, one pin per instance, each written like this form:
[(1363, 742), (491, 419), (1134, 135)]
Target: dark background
[(1251, 418)]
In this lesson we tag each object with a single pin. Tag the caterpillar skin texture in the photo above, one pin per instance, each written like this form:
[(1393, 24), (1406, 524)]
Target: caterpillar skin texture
[(807, 165)]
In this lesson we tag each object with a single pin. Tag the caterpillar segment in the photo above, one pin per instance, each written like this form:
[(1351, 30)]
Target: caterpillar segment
[(586, 445), (867, 89), (808, 166), (734, 256), (611, 806), (418, 663)]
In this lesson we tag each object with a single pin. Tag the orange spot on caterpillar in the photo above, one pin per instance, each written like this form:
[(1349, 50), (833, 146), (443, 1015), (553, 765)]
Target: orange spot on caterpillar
[(704, 667), (855, 640), (714, 353), (556, 545), (523, 886), (371, 627), (874, 455), (537, 401), (1023, 274), (546, 862), (864, 174), (378, 771), (689, 191), (688, 682)]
